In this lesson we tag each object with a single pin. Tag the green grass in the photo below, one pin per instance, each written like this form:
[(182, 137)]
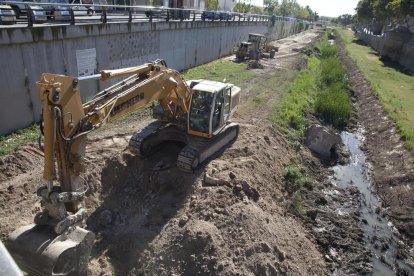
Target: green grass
[(220, 70), (296, 183), (321, 88), (325, 49), (21, 137), (394, 89), (289, 114), (332, 102), (332, 71), (334, 106)]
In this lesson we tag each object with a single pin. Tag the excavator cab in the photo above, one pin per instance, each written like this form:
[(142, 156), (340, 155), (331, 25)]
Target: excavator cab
[(211, 107)]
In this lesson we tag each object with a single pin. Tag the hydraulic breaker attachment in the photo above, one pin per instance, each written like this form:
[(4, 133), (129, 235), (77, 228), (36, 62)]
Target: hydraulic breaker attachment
[(38, 250)]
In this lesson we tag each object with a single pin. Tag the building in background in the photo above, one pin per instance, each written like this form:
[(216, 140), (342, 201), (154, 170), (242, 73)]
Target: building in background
[(227, 5), (189, 4)]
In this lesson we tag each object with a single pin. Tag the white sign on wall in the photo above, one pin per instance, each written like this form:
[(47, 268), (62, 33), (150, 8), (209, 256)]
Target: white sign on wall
[(86, 61)]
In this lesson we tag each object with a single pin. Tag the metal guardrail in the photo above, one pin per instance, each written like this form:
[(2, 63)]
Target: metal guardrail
[(83, 13)]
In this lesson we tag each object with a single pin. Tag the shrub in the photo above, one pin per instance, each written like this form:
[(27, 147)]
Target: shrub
[(334, 106), (326, 50), (331, 71), (289, 114)]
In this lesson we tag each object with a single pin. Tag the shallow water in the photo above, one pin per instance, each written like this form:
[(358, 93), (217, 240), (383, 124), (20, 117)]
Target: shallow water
[(380, 235)]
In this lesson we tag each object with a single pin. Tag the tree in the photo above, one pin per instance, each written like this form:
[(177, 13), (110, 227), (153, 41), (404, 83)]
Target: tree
[(212, 4), (379, 9), (344, 19), (316, 16), (305, 13), (289, 8), (401, 8), (270, 6), (364, 10), (285, 8), (242, 7), (256, 10)]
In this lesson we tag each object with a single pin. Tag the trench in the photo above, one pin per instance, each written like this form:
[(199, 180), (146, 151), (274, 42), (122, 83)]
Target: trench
[(380, 236)]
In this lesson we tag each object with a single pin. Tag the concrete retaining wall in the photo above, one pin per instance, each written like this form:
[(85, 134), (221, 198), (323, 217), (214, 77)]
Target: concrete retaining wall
[(396, 45), (26, 53)]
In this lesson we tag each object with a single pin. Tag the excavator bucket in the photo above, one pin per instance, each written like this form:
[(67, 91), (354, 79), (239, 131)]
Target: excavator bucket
[(38, 250)]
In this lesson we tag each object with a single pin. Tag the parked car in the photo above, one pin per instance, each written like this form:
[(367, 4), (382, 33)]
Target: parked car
[(83, 6), (57, 12), (38, 14), (19, 8), (62, 13), (158, 12), (211, 15), (179, 14), (7, 15), (225, 15)]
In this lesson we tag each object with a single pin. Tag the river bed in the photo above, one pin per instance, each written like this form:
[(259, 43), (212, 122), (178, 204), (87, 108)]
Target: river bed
[(380, 236)]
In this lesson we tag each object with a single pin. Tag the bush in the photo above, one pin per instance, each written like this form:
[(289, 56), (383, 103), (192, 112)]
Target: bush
[(289, 114), (295, 179), (331, 71), (322, 86), (326, 50), (334, 106)]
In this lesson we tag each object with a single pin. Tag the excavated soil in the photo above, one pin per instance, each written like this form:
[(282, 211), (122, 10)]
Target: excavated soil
[(228, 218)]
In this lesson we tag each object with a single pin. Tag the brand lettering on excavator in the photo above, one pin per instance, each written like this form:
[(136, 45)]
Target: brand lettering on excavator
[(127, 104)]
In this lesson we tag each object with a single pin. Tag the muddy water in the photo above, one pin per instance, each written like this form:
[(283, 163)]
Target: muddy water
[(380, 235)]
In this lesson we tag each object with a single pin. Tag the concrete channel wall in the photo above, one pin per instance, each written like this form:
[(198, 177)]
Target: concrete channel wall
[(395, 41), (26, 53), (397, 46)]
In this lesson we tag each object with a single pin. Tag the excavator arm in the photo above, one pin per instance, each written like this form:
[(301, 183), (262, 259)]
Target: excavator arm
[(67, 121)]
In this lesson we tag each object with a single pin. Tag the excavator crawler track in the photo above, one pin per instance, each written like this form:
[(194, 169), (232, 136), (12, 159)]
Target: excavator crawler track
[(198, 151), (138, 143)]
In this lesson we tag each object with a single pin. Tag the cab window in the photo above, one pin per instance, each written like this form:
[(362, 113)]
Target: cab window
[(200, 111), (226, 108), (218, 110)]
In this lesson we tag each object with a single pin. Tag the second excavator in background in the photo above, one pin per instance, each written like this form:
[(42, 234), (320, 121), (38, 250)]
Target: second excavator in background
[(195, 113)]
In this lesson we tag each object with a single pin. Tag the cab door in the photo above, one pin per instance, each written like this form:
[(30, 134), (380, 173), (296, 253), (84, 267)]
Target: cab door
[(227, 104), (217, 120)]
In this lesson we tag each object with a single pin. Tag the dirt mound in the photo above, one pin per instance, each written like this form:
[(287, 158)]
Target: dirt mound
[(238, 226), (162, 221), (24, 159), (254, 64), (20, 175)]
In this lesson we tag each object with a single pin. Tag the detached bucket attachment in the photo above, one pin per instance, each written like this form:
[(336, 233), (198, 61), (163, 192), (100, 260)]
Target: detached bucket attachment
[(38, 250)]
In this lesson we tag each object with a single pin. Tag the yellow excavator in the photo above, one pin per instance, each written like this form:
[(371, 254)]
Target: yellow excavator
[(196, 113)]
